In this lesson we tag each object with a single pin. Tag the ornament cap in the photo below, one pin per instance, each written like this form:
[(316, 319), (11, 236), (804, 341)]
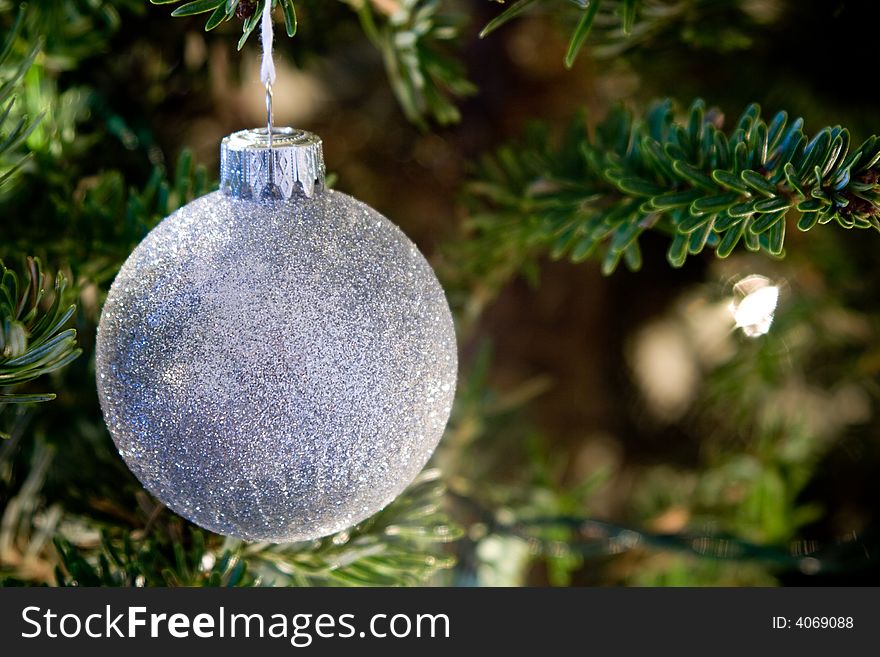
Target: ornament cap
[(253, 166)]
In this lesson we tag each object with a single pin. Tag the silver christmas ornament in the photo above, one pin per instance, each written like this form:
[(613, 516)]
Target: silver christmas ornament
[(275, 361)]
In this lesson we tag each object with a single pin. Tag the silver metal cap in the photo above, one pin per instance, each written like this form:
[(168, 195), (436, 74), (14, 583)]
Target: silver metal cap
[(250, 169)]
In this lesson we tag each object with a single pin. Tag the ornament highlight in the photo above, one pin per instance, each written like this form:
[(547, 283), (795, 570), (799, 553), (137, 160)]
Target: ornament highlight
[(276, 361)]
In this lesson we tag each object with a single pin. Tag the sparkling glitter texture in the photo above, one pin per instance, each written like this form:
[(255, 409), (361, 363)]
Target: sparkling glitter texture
[(276, 370)]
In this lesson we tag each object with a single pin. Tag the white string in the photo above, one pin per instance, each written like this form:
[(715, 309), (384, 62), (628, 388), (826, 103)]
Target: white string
[(267, 69)]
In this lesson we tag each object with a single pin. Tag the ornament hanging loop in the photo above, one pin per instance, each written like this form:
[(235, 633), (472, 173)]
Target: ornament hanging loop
[(267, 68), (269, 120), (271, 163)]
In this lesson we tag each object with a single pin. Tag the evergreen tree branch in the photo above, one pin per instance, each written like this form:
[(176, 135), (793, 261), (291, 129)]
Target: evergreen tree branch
[(33, 341), (70, 30), (411, 35), (188, 561), (98, 228), (624, 11), (13, 133), (401, 545), (221, 11), (704, 186), (616, 25)]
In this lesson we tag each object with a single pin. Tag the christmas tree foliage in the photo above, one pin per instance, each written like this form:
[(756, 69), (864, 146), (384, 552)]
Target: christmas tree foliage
[(690, 180), (705, 414)]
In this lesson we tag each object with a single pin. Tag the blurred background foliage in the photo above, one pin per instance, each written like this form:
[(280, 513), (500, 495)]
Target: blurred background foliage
[(608, 430)]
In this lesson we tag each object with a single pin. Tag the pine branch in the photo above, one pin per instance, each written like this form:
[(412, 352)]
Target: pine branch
[(96, 230), (187, 561), (589, 10), (411, 36), (616, 25), (401, 545), (221, 11), (13, 136), (33, 342), (691, 179), (69, 30)]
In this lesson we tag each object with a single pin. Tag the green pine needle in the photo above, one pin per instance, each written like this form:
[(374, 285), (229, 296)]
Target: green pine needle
[(33, 341)]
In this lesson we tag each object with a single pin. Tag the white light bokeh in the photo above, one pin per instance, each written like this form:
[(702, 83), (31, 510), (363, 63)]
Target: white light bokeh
[(754, 305)]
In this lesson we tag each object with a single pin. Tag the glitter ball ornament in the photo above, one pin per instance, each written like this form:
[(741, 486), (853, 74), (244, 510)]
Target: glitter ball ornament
[(276, 361)]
